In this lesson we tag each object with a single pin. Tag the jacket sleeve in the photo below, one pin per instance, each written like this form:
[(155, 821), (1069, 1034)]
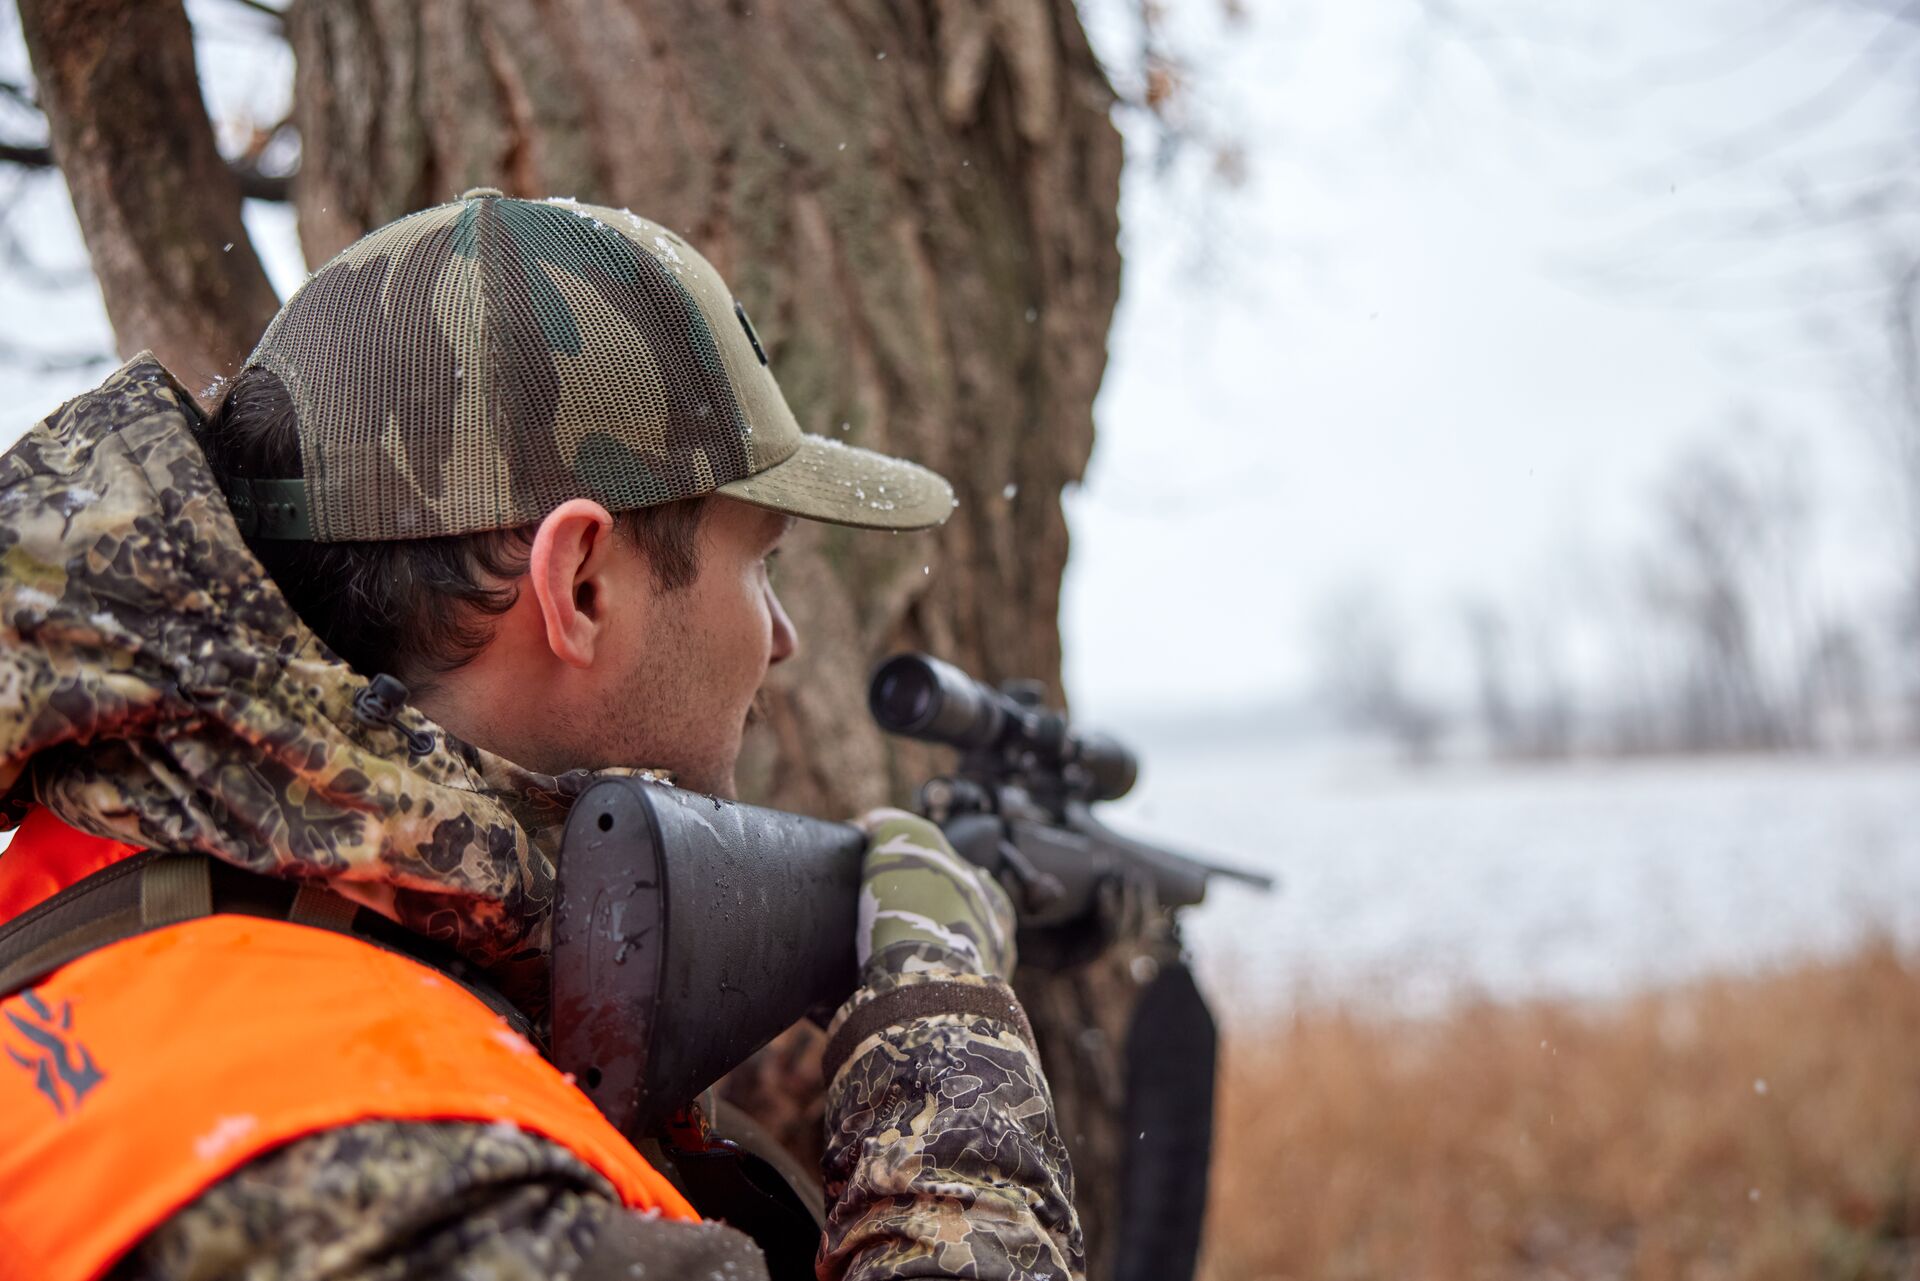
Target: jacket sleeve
[(943, 1155), (386, 1200)]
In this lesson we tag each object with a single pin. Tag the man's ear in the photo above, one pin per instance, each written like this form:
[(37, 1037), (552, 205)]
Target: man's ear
[(568, 575)]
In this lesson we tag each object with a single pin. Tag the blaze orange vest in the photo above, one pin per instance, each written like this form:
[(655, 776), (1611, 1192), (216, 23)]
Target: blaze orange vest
[(135, 1077)]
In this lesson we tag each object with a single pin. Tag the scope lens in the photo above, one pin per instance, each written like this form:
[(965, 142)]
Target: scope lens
[(925, 698), (902, 696)]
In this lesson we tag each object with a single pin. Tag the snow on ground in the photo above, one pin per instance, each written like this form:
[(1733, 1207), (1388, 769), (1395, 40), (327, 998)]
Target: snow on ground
[(1590, 880)]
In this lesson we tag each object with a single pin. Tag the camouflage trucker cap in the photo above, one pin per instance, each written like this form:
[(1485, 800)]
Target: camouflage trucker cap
[(474, 365)]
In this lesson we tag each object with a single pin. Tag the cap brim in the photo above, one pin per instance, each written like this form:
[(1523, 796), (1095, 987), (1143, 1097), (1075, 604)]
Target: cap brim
[(845, 485)]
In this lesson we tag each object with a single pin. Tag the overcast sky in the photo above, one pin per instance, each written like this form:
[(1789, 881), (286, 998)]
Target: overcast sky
[(1419, 358), (1476, 290)]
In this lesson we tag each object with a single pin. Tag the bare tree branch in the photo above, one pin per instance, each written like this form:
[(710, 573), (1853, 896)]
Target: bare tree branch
[(18, 93), (158, 206), (258, 6), (26, 157), (254, 184), (22, 264), (1763, 138)]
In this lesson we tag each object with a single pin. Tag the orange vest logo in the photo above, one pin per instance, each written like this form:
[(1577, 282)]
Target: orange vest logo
[(62, 1068)]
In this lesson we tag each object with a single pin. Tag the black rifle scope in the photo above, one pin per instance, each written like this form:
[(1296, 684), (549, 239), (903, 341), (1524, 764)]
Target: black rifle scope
[(918, 696)]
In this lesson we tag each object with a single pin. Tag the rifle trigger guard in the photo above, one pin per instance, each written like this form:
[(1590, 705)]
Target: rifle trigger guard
[(1039, 890)]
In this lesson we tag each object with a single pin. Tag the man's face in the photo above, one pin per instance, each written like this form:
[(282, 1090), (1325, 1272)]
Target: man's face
[(683, 666), (595, 665)]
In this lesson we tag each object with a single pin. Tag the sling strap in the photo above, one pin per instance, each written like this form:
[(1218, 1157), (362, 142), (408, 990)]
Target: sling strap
[(154, 889)]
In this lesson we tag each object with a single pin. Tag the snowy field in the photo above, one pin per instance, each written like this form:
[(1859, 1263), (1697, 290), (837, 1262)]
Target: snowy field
[(1418, 887)]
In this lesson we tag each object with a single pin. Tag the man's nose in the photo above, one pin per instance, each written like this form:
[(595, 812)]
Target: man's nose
[(785, 640)]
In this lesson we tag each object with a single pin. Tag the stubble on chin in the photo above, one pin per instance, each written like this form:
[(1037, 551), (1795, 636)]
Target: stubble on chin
[(719, 778), (714, 780), (711, 767)]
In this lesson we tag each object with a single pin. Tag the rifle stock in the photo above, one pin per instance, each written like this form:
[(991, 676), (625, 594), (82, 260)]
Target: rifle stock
[(688, 932)]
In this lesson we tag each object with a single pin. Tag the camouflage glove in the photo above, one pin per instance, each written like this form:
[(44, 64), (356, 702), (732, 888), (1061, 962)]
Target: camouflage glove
[(943, 1158), (923, 907)]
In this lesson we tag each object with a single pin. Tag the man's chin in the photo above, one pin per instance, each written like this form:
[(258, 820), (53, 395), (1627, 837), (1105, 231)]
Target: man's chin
[(715, 774)]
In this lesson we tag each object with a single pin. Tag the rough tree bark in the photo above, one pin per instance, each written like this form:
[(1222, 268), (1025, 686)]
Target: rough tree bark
[(917, 202), (158, 207)]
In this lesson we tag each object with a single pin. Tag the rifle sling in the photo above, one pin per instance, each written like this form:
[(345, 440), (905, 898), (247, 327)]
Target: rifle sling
[(919, 1001), (153, 889)]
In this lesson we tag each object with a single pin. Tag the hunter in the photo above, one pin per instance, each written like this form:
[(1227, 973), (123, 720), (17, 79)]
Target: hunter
[(293, 701)]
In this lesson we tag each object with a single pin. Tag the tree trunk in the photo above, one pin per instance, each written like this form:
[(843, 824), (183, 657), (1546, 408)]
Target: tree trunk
[(158, 207), (917, 204)]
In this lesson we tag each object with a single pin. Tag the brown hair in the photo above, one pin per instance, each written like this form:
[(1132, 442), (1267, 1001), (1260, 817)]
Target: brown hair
[(417, 608)]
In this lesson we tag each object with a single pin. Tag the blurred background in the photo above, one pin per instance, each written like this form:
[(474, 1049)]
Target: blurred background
[(1507, 483), (1502, 523)]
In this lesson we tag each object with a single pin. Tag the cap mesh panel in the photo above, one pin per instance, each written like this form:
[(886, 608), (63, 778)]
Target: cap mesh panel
[(474, 366), (775, 434)]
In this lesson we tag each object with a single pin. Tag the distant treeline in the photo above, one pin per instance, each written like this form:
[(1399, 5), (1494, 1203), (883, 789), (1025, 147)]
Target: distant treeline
[(1717, 633)]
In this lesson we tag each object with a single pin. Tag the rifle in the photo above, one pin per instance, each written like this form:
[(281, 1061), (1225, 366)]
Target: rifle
[(689, 931)]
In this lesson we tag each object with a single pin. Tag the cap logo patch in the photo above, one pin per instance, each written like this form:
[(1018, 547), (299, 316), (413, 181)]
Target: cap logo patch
[(752, 337)]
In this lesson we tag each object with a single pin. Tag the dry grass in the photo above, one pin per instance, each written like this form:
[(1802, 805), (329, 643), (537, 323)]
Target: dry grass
[(1756, 1128)]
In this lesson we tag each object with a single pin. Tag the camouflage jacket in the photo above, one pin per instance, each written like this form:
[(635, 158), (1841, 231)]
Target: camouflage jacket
[(160, 691)]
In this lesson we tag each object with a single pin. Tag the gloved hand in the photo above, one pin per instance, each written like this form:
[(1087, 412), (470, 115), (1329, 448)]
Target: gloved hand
[(923, 907)]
